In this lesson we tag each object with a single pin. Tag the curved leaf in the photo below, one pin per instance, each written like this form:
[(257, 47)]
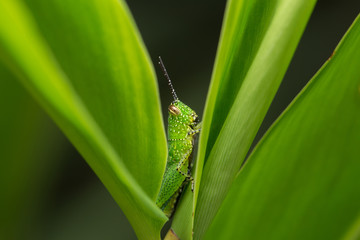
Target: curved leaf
[(257, 42), (92, 75), (97, 47), (302, 180)]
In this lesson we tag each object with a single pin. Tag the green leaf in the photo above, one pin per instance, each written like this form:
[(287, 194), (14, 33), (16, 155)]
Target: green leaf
[(257, 42), (86, 64), (302, 180)]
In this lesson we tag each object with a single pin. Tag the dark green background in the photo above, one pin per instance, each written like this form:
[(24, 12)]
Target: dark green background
[(73, 204)]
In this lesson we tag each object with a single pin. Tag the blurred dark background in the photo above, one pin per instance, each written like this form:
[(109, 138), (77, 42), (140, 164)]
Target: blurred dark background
[(69, 202)]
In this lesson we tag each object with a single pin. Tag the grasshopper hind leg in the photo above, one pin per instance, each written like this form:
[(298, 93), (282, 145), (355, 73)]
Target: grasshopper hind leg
[(170, 205)]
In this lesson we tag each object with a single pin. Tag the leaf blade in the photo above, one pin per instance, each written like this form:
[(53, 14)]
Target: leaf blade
[(72, 110), (312, 151), (250, 31), (109, 62), (282, 27)]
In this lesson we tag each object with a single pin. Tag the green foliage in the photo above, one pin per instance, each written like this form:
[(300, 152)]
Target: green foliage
[(302, 180), (245, 79), (107, 104), (85, 63)]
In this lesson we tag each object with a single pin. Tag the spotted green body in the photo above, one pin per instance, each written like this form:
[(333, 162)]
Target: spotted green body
[(183, 124)]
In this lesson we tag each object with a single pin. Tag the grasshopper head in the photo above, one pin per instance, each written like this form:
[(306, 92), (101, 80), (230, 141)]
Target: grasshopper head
[(181, 117)]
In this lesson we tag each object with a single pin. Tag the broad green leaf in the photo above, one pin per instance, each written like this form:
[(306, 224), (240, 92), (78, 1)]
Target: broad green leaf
[(257, 42), (85, 63), (302, 180), (104, 58)]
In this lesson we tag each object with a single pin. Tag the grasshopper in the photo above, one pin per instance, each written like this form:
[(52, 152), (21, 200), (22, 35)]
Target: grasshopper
[(183, 124)]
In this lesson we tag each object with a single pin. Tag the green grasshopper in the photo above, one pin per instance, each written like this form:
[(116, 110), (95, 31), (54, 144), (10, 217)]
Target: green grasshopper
[(183, 124)]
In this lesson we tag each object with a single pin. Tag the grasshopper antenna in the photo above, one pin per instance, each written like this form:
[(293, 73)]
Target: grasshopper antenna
[(168, 78)]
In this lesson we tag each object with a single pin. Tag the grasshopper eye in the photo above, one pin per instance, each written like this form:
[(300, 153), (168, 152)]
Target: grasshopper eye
[(173, 110)]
